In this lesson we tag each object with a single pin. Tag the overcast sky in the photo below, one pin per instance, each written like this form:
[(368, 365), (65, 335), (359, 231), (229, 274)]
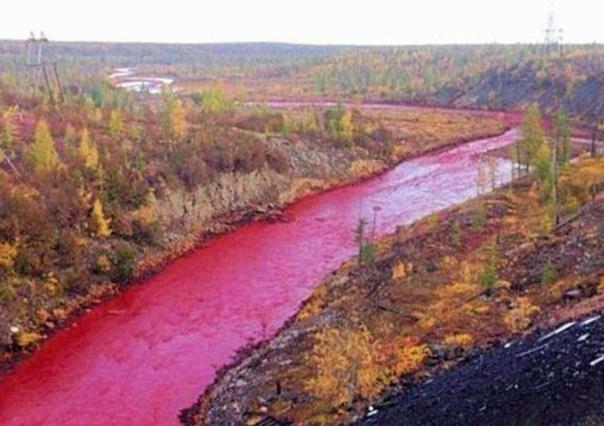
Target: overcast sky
[(302, 21)]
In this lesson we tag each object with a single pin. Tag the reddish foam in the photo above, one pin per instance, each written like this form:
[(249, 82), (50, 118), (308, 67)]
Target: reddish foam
[(141, 357)]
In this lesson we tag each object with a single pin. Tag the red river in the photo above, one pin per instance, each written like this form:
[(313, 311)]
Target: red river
[(143, 356)]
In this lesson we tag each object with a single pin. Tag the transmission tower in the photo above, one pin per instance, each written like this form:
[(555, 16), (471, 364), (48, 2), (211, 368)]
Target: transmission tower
[(554, 36), (42, 66)]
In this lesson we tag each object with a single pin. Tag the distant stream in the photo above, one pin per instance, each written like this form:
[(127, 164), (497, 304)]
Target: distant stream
[(126, 78)]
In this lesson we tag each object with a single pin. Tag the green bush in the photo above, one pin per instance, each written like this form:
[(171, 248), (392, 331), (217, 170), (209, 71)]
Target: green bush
[(480, 217), (456, 235), (123, 259), (548, 274), (488, 277)]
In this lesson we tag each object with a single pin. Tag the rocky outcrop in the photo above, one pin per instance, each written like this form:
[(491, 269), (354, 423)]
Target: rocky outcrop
[(210, 207)]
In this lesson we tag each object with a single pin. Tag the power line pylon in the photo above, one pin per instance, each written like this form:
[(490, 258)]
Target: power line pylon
[(554, 36), (42, 65)]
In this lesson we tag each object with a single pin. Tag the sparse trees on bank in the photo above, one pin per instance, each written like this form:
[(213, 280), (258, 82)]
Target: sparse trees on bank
[(364, 240), (545, 155), (486, 174), (481, 176), (309, 121), (8, 131), (533, 136)]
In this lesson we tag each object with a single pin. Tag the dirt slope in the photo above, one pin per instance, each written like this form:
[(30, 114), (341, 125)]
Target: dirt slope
[(552, 377), (438, 291)]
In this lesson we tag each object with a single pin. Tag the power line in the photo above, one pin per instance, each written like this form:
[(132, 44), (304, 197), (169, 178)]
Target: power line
[(554, 35), (42, 65)]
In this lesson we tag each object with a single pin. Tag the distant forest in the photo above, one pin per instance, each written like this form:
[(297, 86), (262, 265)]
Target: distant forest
[(476, 76)]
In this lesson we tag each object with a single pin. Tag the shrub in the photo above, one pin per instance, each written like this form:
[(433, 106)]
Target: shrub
[(123, 259), (521, 317), (345, 365), (145, 232), (480, 217), (277, 161), (456, 235), (249, 155), (488, 277), (77, 279), (212, 100), (409, 359), (463, 340), (103, 264), (548, 274), (8, 252), (6, 292), (267, 122), (190, 168), (399, 270)]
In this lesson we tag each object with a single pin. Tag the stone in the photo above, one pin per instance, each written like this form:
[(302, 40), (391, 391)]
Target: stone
[(573, 294)]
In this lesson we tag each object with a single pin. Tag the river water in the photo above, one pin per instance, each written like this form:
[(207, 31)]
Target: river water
[(126, 78), (141, 357)]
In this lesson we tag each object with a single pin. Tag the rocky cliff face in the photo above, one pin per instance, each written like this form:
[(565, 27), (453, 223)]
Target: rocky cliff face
[(232, 196)]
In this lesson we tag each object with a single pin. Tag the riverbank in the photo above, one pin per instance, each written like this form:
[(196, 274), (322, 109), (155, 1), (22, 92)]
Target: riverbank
[(189, 219), (116, 317), (437, 292)]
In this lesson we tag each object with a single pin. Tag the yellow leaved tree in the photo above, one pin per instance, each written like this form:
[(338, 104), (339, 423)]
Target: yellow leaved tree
[(346, 126), (116, 124), (345, 365), (42, 155), (8, 252), (99, 224), (88, 151), (175, 118)]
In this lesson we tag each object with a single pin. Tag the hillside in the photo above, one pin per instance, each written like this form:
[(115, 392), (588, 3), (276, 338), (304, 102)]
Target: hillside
[(494, 77), (506, 77), (552, 376), (100, 191), (481, 76), (440, 290)]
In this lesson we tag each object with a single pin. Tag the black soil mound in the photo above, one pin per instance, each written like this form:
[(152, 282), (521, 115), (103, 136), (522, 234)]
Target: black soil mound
[(554, 377)]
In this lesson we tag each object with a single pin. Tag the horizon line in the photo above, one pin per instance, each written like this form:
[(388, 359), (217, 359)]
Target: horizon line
[(289, 43)]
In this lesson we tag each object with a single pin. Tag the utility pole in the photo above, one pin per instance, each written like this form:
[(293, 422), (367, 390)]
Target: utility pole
[(42, 65)]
